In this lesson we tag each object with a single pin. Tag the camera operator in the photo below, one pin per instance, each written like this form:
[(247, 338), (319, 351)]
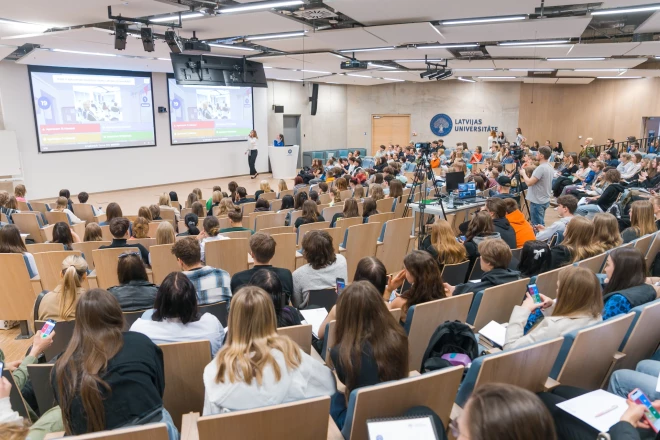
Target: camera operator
[(540, 187)]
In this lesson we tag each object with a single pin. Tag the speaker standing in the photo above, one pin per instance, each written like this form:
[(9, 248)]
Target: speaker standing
[(252, 152)]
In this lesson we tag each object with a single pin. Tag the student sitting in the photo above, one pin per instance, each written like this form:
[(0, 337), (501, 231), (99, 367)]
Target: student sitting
[(198, 209), (63, 235), (83, 197), (579, 304), (12, 243), (642, 221), (476, 156), (264, 187), (497, 210), (211, 201), (442, 244), (93, 232), (119, 230), (236, 221), (113, 210), (503, 188), (175, 316), (234, 380), (60, 304), (61, 205), (287, 204), (578, 243), (67, 195), (241, 194), (523, 230), (495, 260), (370, 346), (134, 292), (350, 211), (19, 193), (211, 284), (211, 232), (534, 258), (479, 229), (625, 285), (165, 234), (422, 273), (322, 269), (300, 198), (155, 212), (309, 214), (262, 250), (606, 199), (192, 222), (606, 232), (105, 389), (566, 206), (165, 204), (263, 205), (286, 315), (8, 205), (368, 209)]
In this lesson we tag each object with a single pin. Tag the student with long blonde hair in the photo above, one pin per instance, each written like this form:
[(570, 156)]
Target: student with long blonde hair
[(165, 233), (606, 231), (442, 244), (192, 198), (256, 366), (642, 221), (376, 192), (141, 228), (579, 304), (145, 212), (281, 186), (358, 192), (264, 187), (165, 204), (93, 232), (578, 243), (60, 304), (225, 206)]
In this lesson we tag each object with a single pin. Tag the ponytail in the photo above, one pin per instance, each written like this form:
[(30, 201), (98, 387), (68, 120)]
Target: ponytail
[(74, 268), (192, 228)]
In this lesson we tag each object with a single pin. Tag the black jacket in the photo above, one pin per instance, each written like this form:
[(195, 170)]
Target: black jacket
[(609, 196), (636, 295), (507, 233), (559, 256), (242, 278), (495, 277), (135, 295)]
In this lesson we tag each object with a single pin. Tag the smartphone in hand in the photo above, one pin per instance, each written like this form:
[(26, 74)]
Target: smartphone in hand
[(534, 292), (47, 328), (651, 414), (341, 284)]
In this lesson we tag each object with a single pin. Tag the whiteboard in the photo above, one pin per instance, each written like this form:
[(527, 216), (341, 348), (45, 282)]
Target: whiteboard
[(10, 162)]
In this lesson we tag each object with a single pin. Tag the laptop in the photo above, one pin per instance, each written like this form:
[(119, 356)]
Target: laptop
[(467, 190)]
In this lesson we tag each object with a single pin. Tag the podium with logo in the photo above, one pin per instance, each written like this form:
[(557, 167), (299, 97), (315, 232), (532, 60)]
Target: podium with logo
[(284, 161)]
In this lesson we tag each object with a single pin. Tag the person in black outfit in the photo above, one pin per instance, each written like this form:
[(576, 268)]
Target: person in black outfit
[(130, 367), (242, 196), (309, 214), (134, 292), (497, 210), (268, 280), (565, 177), (262, 249), (119, 230)]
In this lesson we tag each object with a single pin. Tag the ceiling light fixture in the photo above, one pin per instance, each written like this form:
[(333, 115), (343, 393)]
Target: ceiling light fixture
[(447, 46), (483, 20), (532, 43), (578, 59), (427, 73), (229, 46), (381, 66), (359, 76), (164, 59), (173, 18), (273, 36), (599, 70), (466, 80), (626, 10), (260, 5), (367, 49), (618, 77), (419, 60), (497, 77), (532, 70), (394, 79), (444, 75), (78, 52), (313, 71), (22, 23), (475, 69)]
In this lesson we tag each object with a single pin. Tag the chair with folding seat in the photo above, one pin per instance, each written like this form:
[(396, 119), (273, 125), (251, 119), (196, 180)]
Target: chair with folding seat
[(300, 334), (385, 205), (345, 194), (17, 294), (150, 431), (547, 282), (63, 334), (41, 207), (594, 264), (643, 336), (654, 248), (16, 401), (131, 317), (496, 303), (322, 298), (381, 218), (86, 247), (330, 211), (163, 262), (278, 230), (249, 221), (40, 377), (238, 234), (360, 241), (643, 243), (305, 228), (229, 255), (106, 262), (49, 265), (44, 247), (393, 244), (218, 309), (476, 273), (270, 220), (53, 217), (31, 223), (85, 211), (168, 215), (454, 274), (268, 195), (146, 242)]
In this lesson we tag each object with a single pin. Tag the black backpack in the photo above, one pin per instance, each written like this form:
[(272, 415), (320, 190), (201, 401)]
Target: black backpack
[(655, 266), (449, 337)]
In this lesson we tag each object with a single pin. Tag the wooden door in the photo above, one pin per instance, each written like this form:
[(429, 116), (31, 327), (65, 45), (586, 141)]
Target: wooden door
[(389, 129)]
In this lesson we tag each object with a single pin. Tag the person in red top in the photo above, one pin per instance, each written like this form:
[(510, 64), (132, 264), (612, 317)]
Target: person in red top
[(524, 230), (476, 156)]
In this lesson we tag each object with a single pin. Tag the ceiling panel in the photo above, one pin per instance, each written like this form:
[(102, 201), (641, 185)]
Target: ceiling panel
[(540, 80), (574, 80), (466, 64), (543, 64), (47, 58), (651, 24), (399, 54), (517, 30), (6, 50), (355, 38), (323, 61), (228, 25), (488, 73), (406, 33), (295, 44), (531, 52), (519, 79), (624, 73), (286, 74), (352, 80), (371, 12), (646, 48), (601, 49), (605, 3)]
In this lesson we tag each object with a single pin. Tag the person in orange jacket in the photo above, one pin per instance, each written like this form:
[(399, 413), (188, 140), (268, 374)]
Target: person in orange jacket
[(435, 161), (524, 230)]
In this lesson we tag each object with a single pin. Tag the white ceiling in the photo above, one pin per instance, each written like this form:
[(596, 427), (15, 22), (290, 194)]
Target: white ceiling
[(601, 49), (646, 48), (574, 80), (406, 33), (652, 24), (543, 64), (228, 25), (530, 52)]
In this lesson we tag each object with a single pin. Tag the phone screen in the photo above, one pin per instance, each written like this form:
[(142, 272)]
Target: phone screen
[(651, 414), (340, 285), (47, 328), (534, 292), (462, 237), (2, 367)]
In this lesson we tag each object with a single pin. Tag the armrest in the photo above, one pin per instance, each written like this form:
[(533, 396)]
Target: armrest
[(47, 233), (36, 285), (550, 384), (333, 431), (618, 356), (189, 427), (54, 435), (413, 373), (100, 218)]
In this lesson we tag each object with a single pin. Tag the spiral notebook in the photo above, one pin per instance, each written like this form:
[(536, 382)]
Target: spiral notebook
[(402, 428)]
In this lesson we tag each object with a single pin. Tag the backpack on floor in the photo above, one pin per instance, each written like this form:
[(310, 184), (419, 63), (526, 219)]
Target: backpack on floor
[(449, 337)]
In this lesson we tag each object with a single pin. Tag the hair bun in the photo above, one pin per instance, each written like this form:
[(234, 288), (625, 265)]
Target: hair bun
[(237, 209), (191, 224)]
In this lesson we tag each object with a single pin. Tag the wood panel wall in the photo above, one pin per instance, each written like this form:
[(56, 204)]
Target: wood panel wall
[(606, 108)]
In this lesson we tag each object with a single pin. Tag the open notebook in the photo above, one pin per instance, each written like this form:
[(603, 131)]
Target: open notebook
[(402, 428)]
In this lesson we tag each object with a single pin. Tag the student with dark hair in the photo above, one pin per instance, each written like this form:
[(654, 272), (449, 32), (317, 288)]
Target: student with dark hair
[(262, 206), (497, 210), (134, 292), (350, 210), (495, 259), (262, 250), (479, 229), (62, 234), (113, 210), (83, 197), (309, 214), (198, 209), (176, 318), (242, 196), (368, 209), (299, 184), (119, 228), (192, 221), (67, 195), (268, 280), (322, 269), (105, 389), (236, 221), (566, 206), (625, 285), (523, 230), (370, 346), (93, 232), (534, 258), (232, 187), (287, 203), (300, 198), (12, 243), (602, 202), (212, 284), (155, 212)]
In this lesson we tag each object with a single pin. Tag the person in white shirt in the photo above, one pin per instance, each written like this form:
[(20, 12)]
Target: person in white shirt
[(61, 205), (632, 167), (176, 318), (252, 152), (381, 152), (165, 204), (625, 165), (566, 206), (492, 138), (210, 233), (257, 367)]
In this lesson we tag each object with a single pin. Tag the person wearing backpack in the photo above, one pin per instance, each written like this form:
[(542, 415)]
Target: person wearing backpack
[(370, 346)]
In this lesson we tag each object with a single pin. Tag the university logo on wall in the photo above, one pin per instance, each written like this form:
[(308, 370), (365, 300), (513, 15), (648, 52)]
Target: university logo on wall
[(441, 125)]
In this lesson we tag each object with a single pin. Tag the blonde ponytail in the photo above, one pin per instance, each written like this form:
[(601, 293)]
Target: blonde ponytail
[(74, 268)]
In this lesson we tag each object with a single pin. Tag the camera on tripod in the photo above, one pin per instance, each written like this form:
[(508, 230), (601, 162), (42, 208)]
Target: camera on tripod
[(516, 152), (423, 147)]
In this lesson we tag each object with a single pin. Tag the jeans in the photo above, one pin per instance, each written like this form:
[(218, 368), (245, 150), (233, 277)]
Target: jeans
[(645, 377), (252, 158), (172, 432), (537, 212), (588, 211)]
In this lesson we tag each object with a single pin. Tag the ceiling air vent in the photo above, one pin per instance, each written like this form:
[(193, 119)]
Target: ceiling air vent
[(471, 53), (315, 14)]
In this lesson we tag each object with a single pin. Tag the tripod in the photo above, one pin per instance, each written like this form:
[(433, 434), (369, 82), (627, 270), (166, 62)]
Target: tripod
[(422, 171), (516, 175)]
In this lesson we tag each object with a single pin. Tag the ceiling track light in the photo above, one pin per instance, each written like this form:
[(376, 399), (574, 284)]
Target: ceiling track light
[(175, 18), (444, 75), (368, 49), (231, 46), (533, 43), (173, 41), (121, 34), (466, 79), (274, 36), (626, 10), (381, 66), (447, 46), (147, 36), (497, 77), (618, 77), (483, 20), (259, 6), (578, 59)]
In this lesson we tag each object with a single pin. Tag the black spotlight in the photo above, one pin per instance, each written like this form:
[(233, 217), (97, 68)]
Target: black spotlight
[(121, 33), (147, 35), (173, 40), (436, 74), (427, 73), (444, 75)]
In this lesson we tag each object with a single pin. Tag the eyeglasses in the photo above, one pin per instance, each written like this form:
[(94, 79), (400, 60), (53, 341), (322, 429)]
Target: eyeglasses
[(129, 253)]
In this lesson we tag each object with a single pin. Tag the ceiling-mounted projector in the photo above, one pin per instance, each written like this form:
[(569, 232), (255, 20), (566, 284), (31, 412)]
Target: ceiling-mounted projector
[(354, 64)]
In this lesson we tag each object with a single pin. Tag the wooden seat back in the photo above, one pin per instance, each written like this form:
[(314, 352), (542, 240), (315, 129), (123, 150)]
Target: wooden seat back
[(86, 247), (42, 386), (294, 216), (278, 230), (547, 282), (63, 334), (643, 339), (395, 243), (131, 317), (346, 194), (654, 248), (229, 255), (335, 233), (84, 211), (330, 211), (286, 192), (146, 242), (381, 218), (285, 251), (361, 243), (300, 334), (106, 261), (344, 223), (49, 265), (304, 229), (238, 234), (275, 205), (270, 220), (163, 262), (44, 247), (498, 302), (41, 207), (151, 431), (643, 243), (16, 401), (454, 274), (168, 215), (218, 309), (107, 235), (53, 217), (385, 205), (16, 293), (594, 264), (250, 221), (27, 223)]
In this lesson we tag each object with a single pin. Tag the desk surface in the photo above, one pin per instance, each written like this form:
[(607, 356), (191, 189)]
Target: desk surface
[(436, 209)]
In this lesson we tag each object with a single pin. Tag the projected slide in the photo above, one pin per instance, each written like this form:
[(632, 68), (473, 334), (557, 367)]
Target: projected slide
[(209, 114), (79, 109)]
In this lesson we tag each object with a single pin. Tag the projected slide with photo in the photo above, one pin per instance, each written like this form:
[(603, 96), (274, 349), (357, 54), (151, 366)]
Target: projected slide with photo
[(209, 114), (78, 109)]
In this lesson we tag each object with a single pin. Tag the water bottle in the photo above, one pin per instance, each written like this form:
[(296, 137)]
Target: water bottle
[(450, 202)]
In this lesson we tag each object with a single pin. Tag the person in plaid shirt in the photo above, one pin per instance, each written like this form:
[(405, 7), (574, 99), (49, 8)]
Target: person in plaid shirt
[(212, 284)]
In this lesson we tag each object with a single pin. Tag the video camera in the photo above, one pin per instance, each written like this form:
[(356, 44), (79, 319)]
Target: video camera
[(516, 152), (423, 147)]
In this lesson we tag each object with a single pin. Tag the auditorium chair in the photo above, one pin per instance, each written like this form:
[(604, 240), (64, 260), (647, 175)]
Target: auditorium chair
[(86, 247), (393, 243), (44, 247), (40, 376), (305, 228), (454, 274), (643, 243), (238, 234), (643, 336), (151, 431), (359, 242), (17, 292), (219, 310), (381, 217), (146, 242), (285, 250), (15, 398), (63, 334), (229, 255), (385, 205), (547, 282), (654, 248), (330, 211), (106, 261), (30, 223), (49, 265), (300, 334), (85, 211), (346, 194), (53, 217), (325, 298), (163, 262), (594, 264), (278, 230), (496, 303), (131, 317)]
